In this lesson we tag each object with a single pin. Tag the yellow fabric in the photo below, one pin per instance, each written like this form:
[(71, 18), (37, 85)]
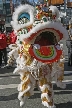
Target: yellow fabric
[(25, 85), (27, 94), (47, 91)]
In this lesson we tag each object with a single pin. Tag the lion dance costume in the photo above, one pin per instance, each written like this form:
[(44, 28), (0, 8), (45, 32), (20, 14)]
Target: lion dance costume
[(37, 51)]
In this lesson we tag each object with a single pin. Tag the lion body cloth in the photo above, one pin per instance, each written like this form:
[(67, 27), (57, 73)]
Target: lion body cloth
[(38, 54)]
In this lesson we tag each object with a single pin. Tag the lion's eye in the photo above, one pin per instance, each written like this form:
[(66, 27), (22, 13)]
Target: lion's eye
[(23, 21), (23, 18)]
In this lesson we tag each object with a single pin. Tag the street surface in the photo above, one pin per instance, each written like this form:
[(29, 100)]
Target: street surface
[(9, 93)]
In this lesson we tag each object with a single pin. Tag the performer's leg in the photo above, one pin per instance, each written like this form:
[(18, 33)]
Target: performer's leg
[(10, 60), (25, 88), (47, 92), (46, 86), (60, 76)]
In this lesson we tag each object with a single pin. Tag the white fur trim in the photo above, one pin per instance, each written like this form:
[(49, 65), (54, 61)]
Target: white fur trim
[(49, 24), (47, 105), (21, 93), (44, 86), (23, 100), (18, 71), (19, 87), (21, 9), (14, 52), (55, 11), (12, 46), (61, 46), (62, 60), (21, 103)]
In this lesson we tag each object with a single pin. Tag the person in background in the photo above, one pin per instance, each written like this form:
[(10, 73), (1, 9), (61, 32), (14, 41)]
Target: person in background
[(69, 45), (3, 45), (11, 37)]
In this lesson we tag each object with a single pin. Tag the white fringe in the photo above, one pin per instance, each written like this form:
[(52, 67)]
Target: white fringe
[(45, 95), (23, 101), (55, 11), (62, 60), (21, 93), (19, 87), (45, 86), (22, 9), (47, 105)]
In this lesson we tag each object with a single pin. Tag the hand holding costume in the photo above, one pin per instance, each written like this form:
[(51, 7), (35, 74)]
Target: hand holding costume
[(40, 57)]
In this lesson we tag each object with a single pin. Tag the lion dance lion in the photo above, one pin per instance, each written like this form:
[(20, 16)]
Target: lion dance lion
[(38, 52)]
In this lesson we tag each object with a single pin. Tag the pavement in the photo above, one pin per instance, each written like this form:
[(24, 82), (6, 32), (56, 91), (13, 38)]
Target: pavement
[(9, 93)]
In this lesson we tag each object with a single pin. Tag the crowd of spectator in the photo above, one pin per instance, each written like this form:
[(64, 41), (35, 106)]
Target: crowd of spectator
[(6, 38)]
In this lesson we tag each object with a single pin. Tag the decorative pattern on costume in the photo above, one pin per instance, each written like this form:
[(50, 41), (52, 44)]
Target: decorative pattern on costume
[(48, 54)]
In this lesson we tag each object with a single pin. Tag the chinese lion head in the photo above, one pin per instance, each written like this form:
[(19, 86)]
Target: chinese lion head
[(38, 27)]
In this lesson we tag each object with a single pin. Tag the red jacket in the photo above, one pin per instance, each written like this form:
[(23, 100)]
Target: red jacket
[(13, 38), (3, 41)]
